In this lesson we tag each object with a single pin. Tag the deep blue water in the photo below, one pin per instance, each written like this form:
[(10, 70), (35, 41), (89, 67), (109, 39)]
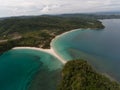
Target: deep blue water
[(19, 67), (101, 48)]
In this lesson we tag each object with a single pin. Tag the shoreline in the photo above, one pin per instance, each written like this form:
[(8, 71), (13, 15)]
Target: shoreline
[(62, 35), (50, 51), (52, 46)]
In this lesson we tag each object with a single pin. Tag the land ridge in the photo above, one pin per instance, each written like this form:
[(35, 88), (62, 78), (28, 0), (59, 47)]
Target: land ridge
[(39, 31)]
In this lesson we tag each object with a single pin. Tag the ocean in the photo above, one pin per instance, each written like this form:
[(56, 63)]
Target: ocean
[(101, 48)]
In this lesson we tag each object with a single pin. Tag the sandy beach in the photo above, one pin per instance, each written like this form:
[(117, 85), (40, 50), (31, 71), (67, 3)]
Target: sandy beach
[(51, 50), (63, 34)]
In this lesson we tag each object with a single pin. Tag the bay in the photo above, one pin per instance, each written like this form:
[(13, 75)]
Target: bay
[(101, 48), (20, 68)]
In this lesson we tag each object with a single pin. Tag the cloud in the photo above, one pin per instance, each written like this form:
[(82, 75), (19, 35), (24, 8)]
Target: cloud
[(38, 7)]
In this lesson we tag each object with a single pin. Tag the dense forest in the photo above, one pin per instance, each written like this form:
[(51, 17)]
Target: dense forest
[(27, 24), (38, 31), (79, 75)]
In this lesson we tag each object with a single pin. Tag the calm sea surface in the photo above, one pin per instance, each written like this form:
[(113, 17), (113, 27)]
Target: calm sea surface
[(101, 48), (19, 70)]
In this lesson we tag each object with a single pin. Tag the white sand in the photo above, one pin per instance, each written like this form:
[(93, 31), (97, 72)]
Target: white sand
[(51, 50), (64, 34)]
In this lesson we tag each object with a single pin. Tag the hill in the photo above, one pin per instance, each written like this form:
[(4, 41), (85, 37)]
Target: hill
[(79, 75), (38, 31)]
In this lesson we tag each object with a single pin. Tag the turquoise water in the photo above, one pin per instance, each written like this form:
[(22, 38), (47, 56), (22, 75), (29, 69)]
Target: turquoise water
[(34, 70), (101, 48), (18, 70)]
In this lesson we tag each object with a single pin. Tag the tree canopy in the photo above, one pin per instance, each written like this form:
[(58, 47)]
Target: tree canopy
[(79, 75)]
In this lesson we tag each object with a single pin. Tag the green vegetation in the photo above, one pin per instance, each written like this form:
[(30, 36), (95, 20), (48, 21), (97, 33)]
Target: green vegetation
[(79, 75), (40, 30), (6, 46), (23, 25)]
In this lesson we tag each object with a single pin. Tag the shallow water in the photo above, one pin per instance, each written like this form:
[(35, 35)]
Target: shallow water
[(101, 48), (19, 69)]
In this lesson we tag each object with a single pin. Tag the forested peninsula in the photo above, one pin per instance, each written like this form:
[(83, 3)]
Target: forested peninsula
[(38, 31), (79, 75)]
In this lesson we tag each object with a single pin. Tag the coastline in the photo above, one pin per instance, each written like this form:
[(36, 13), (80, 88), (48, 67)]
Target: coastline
[(63, 34), (50, 51)]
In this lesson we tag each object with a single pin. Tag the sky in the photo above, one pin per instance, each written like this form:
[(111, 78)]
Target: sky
[(38, 7)]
